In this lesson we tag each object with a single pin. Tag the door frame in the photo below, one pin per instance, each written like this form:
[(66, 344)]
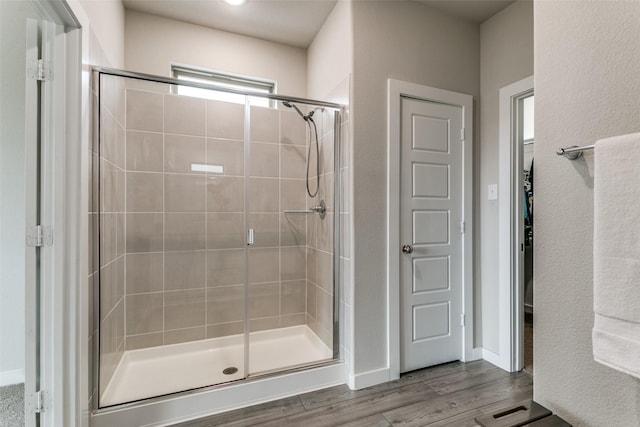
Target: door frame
[(398, 89), (510, 227), (63, 197)]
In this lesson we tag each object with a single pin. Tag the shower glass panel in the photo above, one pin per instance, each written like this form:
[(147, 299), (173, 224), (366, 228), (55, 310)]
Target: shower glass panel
[(215, 264), (172, 240), (290, 259)]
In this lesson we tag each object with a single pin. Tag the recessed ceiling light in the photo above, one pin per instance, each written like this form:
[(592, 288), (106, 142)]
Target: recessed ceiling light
[(236, 2)]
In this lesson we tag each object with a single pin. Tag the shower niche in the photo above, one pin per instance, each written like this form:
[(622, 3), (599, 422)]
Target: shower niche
[(215, 237)]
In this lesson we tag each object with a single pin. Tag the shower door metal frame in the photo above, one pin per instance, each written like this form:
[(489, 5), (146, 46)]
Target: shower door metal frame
[(337, 216), (97, 72), (176, 82)]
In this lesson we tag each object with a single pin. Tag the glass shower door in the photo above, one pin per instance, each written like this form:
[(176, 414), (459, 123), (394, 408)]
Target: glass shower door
[(290, 255), (264, 249), (226, 237), (172, 240), (216, 231)]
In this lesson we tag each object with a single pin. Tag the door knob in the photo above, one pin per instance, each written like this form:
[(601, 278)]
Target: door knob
[(407, 249)]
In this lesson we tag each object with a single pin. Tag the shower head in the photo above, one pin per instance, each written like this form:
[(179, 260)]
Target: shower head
[(290, 105)]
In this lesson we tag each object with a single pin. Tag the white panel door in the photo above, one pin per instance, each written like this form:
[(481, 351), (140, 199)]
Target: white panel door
[(431, 263)]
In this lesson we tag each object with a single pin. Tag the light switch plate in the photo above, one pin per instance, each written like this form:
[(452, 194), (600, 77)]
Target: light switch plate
[(492, 192)]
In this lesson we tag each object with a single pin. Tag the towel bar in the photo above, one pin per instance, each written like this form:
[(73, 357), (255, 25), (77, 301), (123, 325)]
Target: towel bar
[(573, 152)]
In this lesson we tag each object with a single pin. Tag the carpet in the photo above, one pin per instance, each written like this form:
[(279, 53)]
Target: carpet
[(12, 405)]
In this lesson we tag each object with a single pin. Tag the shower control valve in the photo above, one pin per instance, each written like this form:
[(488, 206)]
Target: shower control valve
[(321, 209)]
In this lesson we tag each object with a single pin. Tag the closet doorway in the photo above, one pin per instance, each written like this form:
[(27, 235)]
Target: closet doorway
[(527, 141), (516, 229)]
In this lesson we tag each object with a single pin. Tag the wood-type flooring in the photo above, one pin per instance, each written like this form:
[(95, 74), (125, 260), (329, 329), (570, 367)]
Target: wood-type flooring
[(452, 394)]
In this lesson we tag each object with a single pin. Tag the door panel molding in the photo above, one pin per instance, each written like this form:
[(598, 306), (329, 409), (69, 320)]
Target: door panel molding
[(430, 332), (396, 91)]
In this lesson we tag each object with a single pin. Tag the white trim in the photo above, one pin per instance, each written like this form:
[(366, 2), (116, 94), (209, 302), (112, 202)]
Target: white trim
[(52, 282), (368, 379), (397, 89), (15, 376), (510, 298), (172, 410), (63, 197), (31, 146), (477, 354), (75, 257), (491, 357)]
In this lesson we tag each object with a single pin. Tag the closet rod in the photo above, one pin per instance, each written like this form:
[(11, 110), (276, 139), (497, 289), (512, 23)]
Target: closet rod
[(573, 152)]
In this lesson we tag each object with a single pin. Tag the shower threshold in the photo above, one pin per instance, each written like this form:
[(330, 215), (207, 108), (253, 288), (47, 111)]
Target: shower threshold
[(162, 370)]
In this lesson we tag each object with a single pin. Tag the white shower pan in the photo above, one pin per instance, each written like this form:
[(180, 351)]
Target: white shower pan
[(162, 370)]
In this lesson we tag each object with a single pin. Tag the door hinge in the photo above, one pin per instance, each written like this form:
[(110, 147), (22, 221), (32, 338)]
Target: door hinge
[(462, 227), (462, 320), (462, 134), (37, 402), (39, 235), (40, 70)]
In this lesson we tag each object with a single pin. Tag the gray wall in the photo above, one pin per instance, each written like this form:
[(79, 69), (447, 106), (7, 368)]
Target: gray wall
[(406, 41), (506, 56), (153, 43), (330, 55), (13, 194), (329, 68), (106, 20), (587, 87)]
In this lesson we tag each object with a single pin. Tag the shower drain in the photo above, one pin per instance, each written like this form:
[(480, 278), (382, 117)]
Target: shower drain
[(230, 371)]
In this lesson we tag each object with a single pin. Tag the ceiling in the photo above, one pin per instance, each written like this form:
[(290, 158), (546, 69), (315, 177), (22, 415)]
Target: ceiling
[(291, 22), (471, 10)]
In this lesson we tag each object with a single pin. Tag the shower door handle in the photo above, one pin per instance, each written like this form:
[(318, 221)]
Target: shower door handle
[(250, 237)]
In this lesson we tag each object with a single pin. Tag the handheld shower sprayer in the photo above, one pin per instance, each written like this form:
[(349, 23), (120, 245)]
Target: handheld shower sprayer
[(309, 121)]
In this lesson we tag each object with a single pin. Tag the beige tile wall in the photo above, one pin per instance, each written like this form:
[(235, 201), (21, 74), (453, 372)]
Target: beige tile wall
[(107, 202), (185, 231), (182, 273), (320, 251)]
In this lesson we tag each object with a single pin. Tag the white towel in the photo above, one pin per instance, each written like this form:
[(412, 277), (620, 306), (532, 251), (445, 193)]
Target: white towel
[(616, 253)]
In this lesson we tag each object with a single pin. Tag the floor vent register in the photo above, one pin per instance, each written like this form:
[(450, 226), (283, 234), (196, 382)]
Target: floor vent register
[(523, 414)]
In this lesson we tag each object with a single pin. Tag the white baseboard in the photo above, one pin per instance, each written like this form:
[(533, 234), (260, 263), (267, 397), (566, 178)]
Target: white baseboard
[(368, 379), (11, 377), (493, 358), (476, 354)]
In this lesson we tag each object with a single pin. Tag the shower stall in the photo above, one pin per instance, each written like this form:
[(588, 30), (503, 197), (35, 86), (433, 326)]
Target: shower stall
[(216, 236)]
